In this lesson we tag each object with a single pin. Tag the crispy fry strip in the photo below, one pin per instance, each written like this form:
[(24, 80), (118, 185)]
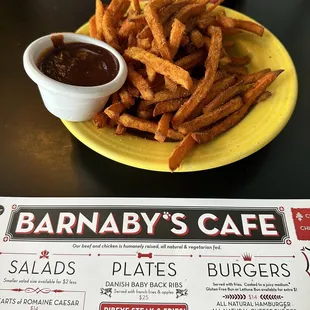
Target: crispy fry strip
[(126, 98), (108, 24), (208, 119), (253, 77), (145, 33), (259, 87), (197, 38), (136, 6), (192, 60), (264, 96), (92, 27), (100, 120), (163, 127), (224, 21), (240, 61), (249, 99), (249, 26), (180, 152), (157, 31), (224, 96), (167, 11), (140, 83), (131, 26), (205, 20), (99, 16), (167, 106), (133, 91), (214, 6), (214, 91), (206, 83), (114, 110), (240, 70), (146, 114), (164, 96), (177, 31), (120, 130), (162, 66), (133, 122)]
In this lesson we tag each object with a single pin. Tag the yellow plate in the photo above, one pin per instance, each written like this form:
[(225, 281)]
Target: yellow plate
[(261, 126)]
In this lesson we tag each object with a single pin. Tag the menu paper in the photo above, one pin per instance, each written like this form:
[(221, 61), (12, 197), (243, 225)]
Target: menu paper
[(154, 254)]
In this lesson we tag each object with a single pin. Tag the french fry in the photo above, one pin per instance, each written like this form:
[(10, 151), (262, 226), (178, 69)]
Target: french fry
[(131, 25), (108, 25), (180, 152), (115, 110), (259, 87), (167, 11), (133, 91), (136, 6), (146, 43), (230, 31), (99, 16), (163, 127), (192, 60), (164, 96), (100, 120), (191, 11), (264, 96), (249, 26), (151, 74), (140, 83), (92, 27), (185, 14), (214, 6), (253, 77), (158, 4), (214, 91), (120, 130), (240, 61), (197, 38), (185, 40), (146, 114), (223, 97), (206, 83), (224, 21), (167, 106), (157, 31), (132, 40), (176, 35), (220, 75), (120, 9), (232, 120), (239, 70), (162, 66), (126, 98), (112, 123), (205, 20), (133, 122), (214, 116), (145, 33)]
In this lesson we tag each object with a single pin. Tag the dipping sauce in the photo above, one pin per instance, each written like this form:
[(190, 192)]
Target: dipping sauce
[(79, 64)]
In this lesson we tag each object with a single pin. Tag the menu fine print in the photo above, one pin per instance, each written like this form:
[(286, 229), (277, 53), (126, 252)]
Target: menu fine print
[(154, 254)]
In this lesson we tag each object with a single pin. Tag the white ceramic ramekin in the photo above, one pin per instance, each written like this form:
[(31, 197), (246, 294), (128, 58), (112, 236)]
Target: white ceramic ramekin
[(71, 103)]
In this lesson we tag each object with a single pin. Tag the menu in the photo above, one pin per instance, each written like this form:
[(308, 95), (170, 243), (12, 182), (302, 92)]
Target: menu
[(154, 254)]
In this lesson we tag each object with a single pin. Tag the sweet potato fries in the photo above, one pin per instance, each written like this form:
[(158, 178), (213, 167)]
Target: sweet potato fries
[(184, 83)]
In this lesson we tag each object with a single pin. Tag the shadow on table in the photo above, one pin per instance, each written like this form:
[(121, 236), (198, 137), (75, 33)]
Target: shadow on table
[(100, 176)]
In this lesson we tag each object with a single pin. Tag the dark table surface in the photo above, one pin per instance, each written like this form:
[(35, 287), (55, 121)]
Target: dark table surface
[(39, 157)]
